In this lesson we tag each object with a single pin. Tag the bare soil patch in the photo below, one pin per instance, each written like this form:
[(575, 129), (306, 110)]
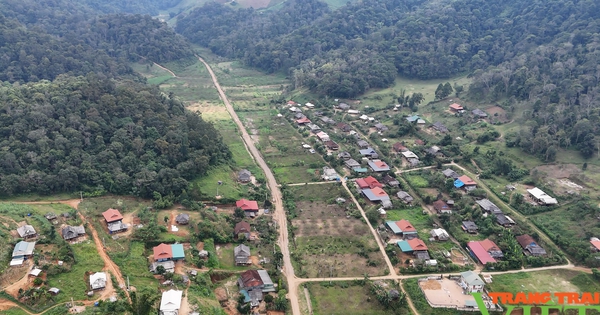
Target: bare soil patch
[(495, 110), (343, 265), (319, 210), (445, 292), (431, 285), (566, 178), (319, 218), (341, 226)]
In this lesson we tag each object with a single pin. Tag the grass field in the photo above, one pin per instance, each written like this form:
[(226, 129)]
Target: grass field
[(73, 283), (281, 146), (351, 300), (134, 264), (545, 281), (229, 187), (383, 97)]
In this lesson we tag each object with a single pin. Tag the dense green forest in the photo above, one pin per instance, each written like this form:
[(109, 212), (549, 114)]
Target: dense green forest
[(74, 115), (85, 133), (42, 42), (356, 46)]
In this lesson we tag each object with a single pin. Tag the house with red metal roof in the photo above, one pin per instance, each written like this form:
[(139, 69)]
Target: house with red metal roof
[(162, 252), (368, 182), (303, 121), (456, 108), (465, 182), (114, 221), (415, 246), (378, 166), (477, 251), (112, 215), (402, 227), (250, 207), (595, 244)]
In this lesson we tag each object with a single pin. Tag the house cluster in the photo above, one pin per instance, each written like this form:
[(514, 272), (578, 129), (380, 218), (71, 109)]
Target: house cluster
[(490, 208), (372, 189), (253, 283), (410, 243), (411, 157), (166, 255)]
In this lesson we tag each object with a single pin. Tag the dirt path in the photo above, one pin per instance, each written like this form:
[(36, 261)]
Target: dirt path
[(307, 295), (375, 235), (109, 265), (13, 289), (169, 71), (279, 214)]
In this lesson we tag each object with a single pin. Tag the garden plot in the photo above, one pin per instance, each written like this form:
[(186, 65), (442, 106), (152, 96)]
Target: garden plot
[(318, 218), (338, 256)]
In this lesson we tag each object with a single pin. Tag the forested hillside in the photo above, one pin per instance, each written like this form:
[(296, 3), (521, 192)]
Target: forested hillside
[(85, 121), (85, 133), (359, 46), (45, 41)]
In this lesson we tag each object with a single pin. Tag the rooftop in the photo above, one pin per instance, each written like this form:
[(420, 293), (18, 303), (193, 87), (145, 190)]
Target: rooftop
[(112, 215), (247, 205)]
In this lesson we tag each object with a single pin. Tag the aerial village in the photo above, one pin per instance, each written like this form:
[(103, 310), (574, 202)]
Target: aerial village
[(428, 213)]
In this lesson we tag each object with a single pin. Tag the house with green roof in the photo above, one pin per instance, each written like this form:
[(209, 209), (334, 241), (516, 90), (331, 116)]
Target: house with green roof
[(471, 282), (177, 250)]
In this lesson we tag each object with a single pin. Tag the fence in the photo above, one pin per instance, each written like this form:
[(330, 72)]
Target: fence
[(487, 300)]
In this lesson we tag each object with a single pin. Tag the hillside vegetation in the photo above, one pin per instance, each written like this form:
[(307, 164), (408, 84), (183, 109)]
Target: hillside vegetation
[(78, 118), (42, 42), (89, 134), (541, 53)]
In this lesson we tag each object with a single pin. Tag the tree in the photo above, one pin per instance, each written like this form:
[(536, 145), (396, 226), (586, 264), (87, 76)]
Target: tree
[(166, 219), (439, 92), (239, 213), (143, 301), (447, 89), (160, 270), (372, 216), (281, 302)]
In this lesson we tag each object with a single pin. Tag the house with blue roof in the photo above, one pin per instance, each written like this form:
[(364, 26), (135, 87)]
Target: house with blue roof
[(369, 152), (177, 250), (402, 227)]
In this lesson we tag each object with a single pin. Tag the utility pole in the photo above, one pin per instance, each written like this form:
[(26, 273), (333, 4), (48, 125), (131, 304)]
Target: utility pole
[(81, 195)]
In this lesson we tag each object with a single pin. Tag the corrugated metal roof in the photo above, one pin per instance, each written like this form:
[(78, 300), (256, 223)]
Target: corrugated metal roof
[(482, 255)]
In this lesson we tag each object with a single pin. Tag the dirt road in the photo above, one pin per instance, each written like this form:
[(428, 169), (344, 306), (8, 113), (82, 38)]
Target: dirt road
[(169, 71), (279, 214), (109, 265)]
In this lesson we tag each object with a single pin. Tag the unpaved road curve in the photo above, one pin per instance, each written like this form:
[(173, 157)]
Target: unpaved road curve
[(169, 71), (279, 214)]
